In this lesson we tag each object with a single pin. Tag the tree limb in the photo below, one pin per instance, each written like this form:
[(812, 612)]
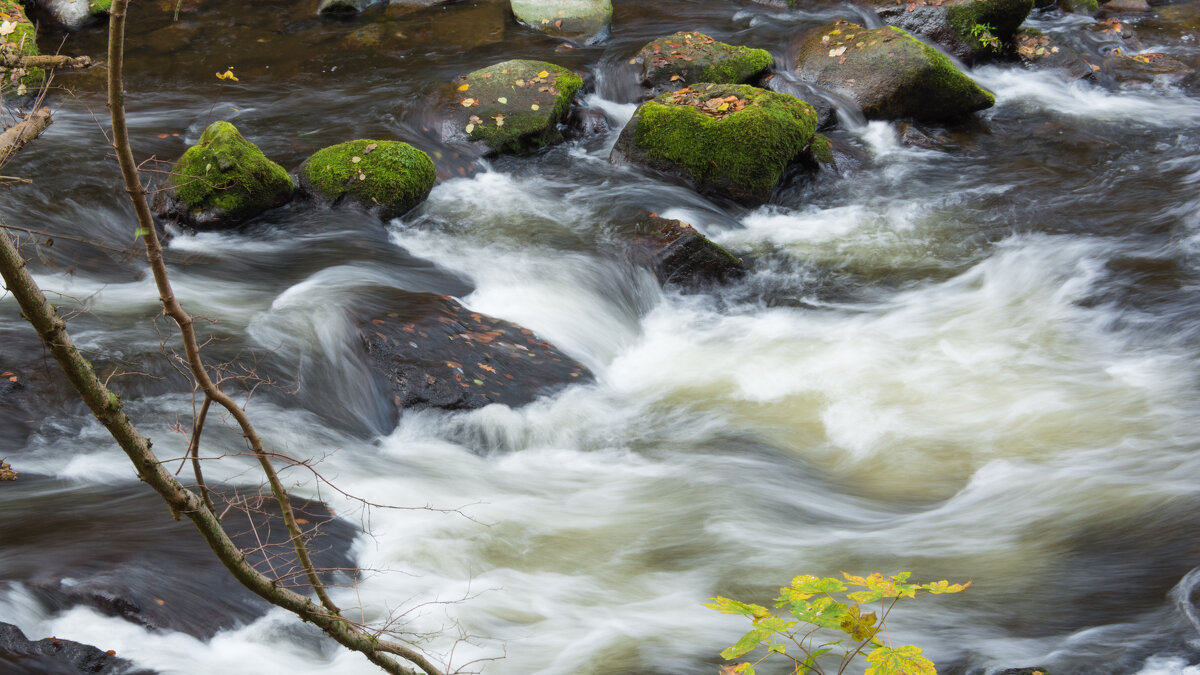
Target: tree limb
[(15, 137)]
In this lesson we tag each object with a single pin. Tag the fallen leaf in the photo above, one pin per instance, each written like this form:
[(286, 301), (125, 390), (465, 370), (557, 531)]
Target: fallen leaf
[(7, 27), (544, 74), (674, 78), (470, 128), (633, 61), (558, 24), (467, 102), (355, 160), (520, 83), (837, 51), (499, 119), (533, 107), (464, 87), (302, 521), (160, 602), (370, 148)]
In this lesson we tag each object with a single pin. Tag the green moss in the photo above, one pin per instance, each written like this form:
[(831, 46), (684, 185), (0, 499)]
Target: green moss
[(1004, 17), (23, 41), (226, 177), (949, 83), (743, 155), (391, 176), (98, 6), (1089, 7), (821, 149), (579, 18), (512, 109), (687, 57)]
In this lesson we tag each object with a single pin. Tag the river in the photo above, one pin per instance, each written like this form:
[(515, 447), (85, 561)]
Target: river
[(976, 363)]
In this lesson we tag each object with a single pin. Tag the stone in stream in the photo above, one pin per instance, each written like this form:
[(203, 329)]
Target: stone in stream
[(386, 177), (888, 73), (21, 41), (344, 6), (972, 30), (577, 20), (223, 181), (1036, 50), (513, 107), (680, 256), (72, 15), (19, 654), (727, 140), (684, 58), (435, 353)]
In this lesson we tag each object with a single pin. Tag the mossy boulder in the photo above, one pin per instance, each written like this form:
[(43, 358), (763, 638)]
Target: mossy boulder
[(22, 41), (514, 107), (224, 180), (727, 140), (387, 177), (677, 60), (1088, 7), (577, 20), (889, 73), (72, 15), (972, 30)]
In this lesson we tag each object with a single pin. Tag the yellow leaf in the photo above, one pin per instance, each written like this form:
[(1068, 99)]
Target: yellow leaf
[(355, 160), (470, 128), (502, 100), (467, 102), (464, 87), (533, 107), (227, 75), (544, 73), (723, 107)]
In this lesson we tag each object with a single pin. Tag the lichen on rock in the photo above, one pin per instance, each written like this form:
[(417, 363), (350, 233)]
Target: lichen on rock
[(889, 73), (21, 40), (389, 177), (578, 20), (727, 140), (514, 107), (224, 180), (684, 58)]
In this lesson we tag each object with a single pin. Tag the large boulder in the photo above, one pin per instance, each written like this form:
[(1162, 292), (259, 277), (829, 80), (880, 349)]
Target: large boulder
[(684, 58), (889, 73), (19, 654), (19, 39), (680, 256), (387, 177), (72, 15), (577, 20), (224, 180), (513, 107), (972, 30), (727, 140), (433, 352)]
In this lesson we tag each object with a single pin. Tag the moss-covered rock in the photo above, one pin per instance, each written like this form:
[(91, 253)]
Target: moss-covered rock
[(727, 140), (1088, 7), (224, 180), (72, 14), (889, 73), (675, 61), (577, 20), (389, 177), (972, 30), (514, 107), (22, 41)]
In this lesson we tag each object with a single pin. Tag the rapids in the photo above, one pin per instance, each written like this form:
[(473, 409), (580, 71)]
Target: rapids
[(973, 364)]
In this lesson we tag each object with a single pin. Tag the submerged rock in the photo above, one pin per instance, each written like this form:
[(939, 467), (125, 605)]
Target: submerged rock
[(681, 59), (433, 352), (727, 140), (53, 655), (22, 41), (971, 30), (1145, 68), (1038, 50), (889, 73), (578, 20), (73, 15), (680, 256), (388, 177), (514, 107), (344, 6), (224, 180)]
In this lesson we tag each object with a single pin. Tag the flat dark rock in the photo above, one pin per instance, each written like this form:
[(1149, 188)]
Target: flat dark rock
[(436, 353), (51, 656), (681, 256)]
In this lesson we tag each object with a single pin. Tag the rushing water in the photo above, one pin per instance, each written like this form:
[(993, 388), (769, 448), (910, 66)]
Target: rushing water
[(972, 364)]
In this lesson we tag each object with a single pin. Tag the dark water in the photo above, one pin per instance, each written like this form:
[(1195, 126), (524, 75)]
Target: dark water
[(976, 363)]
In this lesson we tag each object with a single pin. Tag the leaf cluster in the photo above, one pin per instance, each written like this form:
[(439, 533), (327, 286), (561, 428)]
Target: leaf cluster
[(821, 606)]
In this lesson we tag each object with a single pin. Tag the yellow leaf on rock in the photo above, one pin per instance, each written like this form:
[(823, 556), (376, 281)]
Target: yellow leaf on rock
[(470, 128), (467, 102), (502, 100), (544, 73), (464, 87), (355, 160), (533, 107)]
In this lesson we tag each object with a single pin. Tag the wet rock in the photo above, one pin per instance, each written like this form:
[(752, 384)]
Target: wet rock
[(1174, 22), (433, 352), (888, 73), (680, 256), (344, 6), (915, 137), (1039, 51), (577, 20), (583, 121), (1123, 6), (386, 177), (684, 58), (818, 97), (6, 471), (1037, 670), (143, 567), (1145, 68), (223, 181), (972, 30), (72, 15), (513, 107), (19, 654), (22, 41), (727, 140), (1088, 7)]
